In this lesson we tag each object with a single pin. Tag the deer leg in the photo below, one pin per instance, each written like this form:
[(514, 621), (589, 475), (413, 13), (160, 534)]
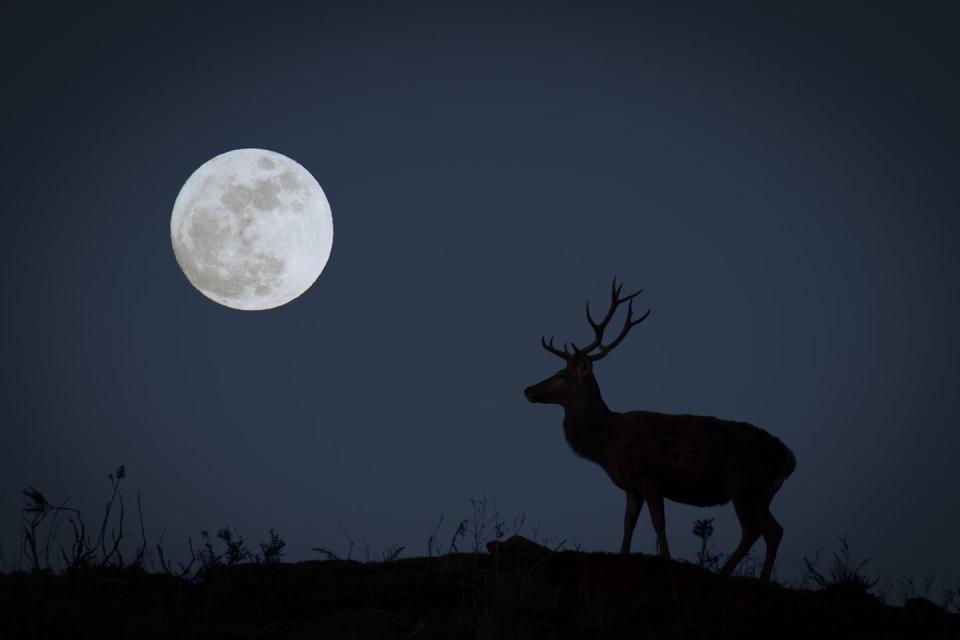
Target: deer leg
[(748, 516), (655, 501), (772, 533), (634, 505)]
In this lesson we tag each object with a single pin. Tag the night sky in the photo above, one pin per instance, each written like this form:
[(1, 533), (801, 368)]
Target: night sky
[(782, 182)]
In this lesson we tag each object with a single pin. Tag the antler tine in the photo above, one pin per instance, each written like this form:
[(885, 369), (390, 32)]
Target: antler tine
[(615, 302), (549, 347), (628, 324)]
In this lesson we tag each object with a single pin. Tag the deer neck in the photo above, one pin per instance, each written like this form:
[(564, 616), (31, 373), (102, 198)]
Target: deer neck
[(585, 421)]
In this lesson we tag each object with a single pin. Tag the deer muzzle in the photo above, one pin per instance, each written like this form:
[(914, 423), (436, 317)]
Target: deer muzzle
[(534, 394)]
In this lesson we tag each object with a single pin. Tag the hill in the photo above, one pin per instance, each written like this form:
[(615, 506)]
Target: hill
[(519, 590)]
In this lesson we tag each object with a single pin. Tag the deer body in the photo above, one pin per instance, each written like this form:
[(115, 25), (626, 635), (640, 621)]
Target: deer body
[(695, 460)]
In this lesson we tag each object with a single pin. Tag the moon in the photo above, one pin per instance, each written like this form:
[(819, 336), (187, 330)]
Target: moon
[(251, 229)]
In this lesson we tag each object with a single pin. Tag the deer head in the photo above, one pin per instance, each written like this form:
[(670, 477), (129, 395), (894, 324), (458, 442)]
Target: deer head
[(576, 379)]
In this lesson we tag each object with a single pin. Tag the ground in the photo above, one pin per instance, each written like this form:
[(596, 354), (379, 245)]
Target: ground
[(521, 592)]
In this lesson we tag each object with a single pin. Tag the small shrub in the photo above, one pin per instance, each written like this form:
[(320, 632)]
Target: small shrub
[(706, 556), (236, 551), (272, 550), (207, 556), (843, 577)]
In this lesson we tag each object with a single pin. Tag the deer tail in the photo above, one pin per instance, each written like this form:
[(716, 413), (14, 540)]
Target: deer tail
[(789, 465)]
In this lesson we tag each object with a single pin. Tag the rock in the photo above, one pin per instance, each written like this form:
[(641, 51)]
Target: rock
[(516, 546)]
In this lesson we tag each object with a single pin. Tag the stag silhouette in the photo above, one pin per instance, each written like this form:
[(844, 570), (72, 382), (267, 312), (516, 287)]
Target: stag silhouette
[(695, 460)]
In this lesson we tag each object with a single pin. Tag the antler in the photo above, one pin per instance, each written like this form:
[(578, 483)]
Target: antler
[(600, 327), (549, 347)]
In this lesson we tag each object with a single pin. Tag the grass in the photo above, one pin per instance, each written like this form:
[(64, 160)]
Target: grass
[(479, 579)]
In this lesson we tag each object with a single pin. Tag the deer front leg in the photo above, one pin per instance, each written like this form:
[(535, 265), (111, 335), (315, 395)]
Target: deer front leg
[(634, 505), (655, 500)]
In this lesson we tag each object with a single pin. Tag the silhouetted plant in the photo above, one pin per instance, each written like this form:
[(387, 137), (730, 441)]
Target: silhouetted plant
[(481, 527), (142, 554), (393, 552), (366, 549), (843, 576), (326, 553), (35, 509), (115, 534), (706, 557), (483, 524), (349, 540), (38, 512), (186, 570), (207, 556), (236, 551), (478, 521), (749, 567), (272, 550), (910, 588), (460, 532), (432, 546), (161, 556), (331, 555), (536, 532)]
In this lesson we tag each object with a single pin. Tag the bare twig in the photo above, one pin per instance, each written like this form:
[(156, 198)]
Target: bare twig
[(392, 553), (142, 549), (164, 564), (52, 530), (186, 569), (37, 507), (349, 539), (326, 553), (460, 532), (478, 523), (115, 483), (117, 536), (432, 540)]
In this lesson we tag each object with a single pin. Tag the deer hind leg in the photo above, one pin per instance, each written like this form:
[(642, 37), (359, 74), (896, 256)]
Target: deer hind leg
[(750, 519), (659, 523), (634, 505), (772, 533)]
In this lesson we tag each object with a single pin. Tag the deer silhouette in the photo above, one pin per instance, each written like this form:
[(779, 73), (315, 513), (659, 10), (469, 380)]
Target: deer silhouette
[(695, 460)]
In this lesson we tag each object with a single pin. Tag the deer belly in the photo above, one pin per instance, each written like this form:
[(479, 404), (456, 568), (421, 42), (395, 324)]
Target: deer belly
[(699, 492)]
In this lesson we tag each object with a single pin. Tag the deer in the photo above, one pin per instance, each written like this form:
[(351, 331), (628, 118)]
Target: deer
[(690, 459)]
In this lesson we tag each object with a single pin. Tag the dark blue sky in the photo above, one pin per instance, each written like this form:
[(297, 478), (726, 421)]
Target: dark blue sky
[(782, 182)]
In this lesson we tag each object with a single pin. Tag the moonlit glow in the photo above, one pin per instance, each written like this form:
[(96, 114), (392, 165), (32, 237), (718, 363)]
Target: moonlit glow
[(251, 229)]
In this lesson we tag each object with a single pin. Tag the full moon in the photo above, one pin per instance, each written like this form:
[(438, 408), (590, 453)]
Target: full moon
[(251, 229)]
